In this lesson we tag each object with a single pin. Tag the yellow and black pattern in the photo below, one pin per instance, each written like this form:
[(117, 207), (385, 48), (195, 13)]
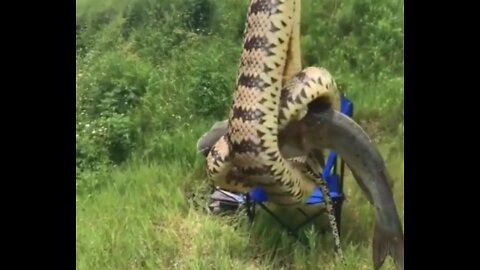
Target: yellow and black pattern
[(267, 96)]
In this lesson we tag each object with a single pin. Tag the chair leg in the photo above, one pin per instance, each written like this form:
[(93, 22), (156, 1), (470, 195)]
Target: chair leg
[(275, 217), (309, 219), (250, 208), (337, 202)]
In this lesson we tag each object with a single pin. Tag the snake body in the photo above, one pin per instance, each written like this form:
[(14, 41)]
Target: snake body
[(271, 90)]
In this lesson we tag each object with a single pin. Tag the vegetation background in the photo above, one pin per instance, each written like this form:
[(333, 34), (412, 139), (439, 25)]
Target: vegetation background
[(154, 75)]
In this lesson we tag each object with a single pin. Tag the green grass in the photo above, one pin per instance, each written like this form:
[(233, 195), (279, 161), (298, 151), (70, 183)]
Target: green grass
[(144, 219), (154, 75)]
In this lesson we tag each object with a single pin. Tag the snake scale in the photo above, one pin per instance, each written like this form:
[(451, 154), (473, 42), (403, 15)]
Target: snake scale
[(271, 90)]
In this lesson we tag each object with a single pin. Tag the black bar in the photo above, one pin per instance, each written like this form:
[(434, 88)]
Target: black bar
[(289, 230), (309, 219), (250, 208), (342, 174)]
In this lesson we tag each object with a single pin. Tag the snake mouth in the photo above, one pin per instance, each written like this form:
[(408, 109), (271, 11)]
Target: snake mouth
[(319, 105)]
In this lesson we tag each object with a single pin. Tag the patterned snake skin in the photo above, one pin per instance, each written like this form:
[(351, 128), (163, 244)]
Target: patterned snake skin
[(271, 91)]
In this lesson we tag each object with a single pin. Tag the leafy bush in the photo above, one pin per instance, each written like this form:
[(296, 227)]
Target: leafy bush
[(153, 75), (199, 14), (113, 83), (212, 96)]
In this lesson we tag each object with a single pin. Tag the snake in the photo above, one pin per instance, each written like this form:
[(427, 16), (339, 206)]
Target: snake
[(271, 90)]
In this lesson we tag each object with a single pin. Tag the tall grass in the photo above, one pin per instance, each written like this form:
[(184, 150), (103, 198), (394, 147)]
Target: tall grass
[(144, 219), (154, 75)]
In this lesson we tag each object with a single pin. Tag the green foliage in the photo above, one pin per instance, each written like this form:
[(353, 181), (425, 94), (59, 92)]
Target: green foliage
[(143, 221), (212, 95), (111, 86), (199, 14), (113, 83), (152, 75), (365, 37)]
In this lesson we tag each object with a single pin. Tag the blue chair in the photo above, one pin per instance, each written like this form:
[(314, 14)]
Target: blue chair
[(258, 196)]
